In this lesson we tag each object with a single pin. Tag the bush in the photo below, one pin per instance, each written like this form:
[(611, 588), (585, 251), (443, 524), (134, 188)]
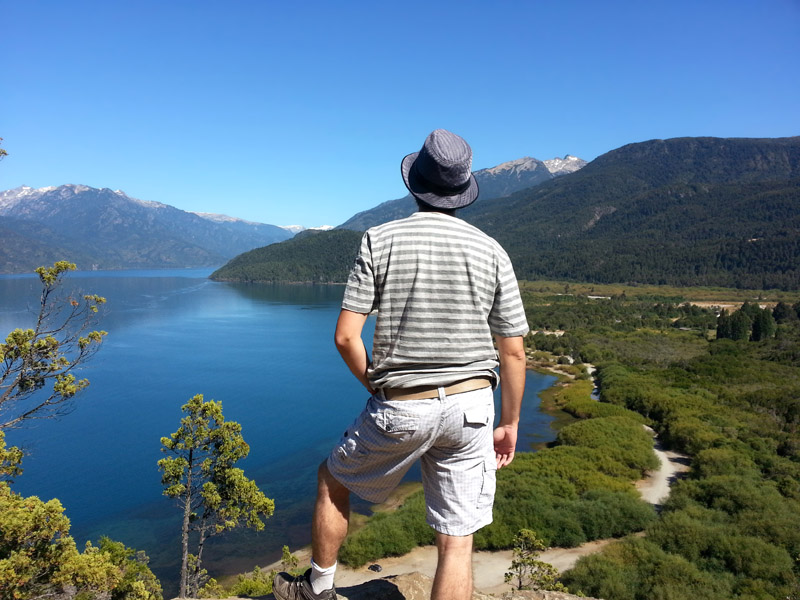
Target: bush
[(585, 408), (255, 583), (622, 438), (635, 569)]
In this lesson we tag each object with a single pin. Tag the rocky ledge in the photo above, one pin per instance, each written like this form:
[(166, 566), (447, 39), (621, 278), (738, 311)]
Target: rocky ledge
[(415, 586)]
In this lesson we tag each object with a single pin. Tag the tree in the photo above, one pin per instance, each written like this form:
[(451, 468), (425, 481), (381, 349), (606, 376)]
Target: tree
[(289, 561), (61, 340), (783, 313), (214, 495), (763, 326), (528, 573), (724, 325), (740, 325)]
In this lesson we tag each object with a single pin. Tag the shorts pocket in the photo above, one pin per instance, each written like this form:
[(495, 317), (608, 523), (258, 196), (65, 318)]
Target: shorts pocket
[(479, 414), (391, 421), (489, 484)]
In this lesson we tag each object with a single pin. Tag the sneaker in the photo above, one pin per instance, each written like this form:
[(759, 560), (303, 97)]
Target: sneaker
[(286, 587)]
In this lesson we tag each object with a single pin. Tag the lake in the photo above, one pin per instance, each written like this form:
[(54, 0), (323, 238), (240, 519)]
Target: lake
[(265, 351)]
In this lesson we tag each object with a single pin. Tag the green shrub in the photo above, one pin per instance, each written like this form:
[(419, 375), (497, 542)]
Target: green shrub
[(586, 408), (636, 569), (622, 438), (255, 583)]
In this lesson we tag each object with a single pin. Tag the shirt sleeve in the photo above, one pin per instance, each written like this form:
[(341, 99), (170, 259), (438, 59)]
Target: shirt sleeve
[(507, 316), (360, 294)]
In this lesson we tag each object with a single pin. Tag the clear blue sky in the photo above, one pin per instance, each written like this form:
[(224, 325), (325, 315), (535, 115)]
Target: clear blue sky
[(300, 112)]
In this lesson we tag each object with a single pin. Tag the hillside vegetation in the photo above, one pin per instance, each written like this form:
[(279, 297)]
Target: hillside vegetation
[(685, 211), (731, 529)]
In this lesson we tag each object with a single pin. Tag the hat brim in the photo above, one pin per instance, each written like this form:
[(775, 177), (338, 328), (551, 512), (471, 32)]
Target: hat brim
[(421, 192)]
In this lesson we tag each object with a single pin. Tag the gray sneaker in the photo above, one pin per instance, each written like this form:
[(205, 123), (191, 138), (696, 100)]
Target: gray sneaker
[(286, 587)]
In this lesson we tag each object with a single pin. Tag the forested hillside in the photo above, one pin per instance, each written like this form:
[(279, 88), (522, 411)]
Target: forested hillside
[(685, 211), (309, 257)]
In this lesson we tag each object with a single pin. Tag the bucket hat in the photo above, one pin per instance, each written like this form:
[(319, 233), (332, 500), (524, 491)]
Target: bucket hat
[(440, 174)]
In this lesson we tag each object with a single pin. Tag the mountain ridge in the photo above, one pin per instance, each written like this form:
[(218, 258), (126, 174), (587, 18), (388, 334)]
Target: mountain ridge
[(682, 211), (100, 228)]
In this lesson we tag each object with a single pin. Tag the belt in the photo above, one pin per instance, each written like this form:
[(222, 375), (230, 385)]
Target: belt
[(424, 392)]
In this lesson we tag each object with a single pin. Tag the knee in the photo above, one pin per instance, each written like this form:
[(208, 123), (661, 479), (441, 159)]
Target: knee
[(328, 483), (454, 545)]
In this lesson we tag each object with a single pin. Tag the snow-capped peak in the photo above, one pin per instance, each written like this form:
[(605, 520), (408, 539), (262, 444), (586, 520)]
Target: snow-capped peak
[(295, 229), (562, 166), (218, 218)]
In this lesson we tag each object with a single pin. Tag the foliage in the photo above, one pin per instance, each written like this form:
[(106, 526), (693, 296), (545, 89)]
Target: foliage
[(591, 409), (10, 460), (258, 582), (637, 569), (39, 558), (527, 572), (309, 257), (289, 561), (620, 438), (389, 534), (49, 353), (138, 581), (199, 472), (255, 583), (749, 322)]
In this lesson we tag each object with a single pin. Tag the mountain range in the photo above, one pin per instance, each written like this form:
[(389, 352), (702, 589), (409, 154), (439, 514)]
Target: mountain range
[(682, 211), (106, 229)]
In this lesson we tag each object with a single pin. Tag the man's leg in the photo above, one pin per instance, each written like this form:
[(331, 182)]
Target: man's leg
[(453, 580), (331, 518), (328, 530)]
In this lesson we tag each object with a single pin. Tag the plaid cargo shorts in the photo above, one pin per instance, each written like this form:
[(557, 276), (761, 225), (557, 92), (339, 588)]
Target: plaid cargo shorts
[(452, 437)]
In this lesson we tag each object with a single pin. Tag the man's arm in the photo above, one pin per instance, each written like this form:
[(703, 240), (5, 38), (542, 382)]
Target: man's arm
[(511, 351), (351, 346)]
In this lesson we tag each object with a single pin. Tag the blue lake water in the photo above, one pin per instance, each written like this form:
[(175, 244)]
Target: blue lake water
[(265, 351)]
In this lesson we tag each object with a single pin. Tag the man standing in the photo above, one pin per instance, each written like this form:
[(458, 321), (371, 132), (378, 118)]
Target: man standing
[(442, 290)]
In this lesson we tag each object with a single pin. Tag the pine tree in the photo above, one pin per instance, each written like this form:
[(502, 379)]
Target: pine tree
[(783, 313), (214, 495), (37, 364), (724, 325), (740, 325), (763, 326), (527, 572)]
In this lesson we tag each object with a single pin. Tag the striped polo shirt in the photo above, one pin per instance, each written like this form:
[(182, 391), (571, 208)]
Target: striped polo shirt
[(441, 289)]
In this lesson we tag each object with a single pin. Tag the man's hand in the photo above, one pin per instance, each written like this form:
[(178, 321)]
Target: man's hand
[(505, 442)]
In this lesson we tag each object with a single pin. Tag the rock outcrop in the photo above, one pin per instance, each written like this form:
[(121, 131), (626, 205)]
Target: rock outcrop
[(415, 586)]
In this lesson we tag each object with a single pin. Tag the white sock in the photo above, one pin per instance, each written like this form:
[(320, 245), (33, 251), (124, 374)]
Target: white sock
[(321, 579)]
